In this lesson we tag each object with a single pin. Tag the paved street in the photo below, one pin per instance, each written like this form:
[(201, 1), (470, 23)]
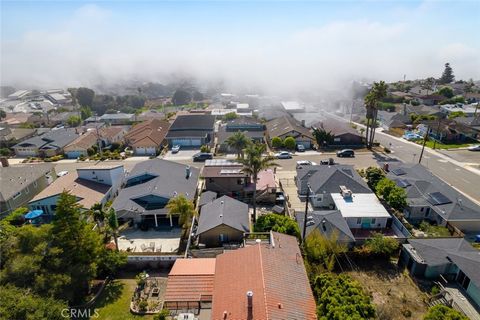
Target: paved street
[(460, 174)]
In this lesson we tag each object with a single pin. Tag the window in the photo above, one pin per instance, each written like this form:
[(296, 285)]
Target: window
[(239, 181), (373, 221), (359, 220), (421, 209), (16, 195), (26, 190), (336, 139)]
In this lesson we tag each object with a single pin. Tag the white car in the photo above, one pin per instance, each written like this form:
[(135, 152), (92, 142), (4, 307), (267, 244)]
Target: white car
[(175, 149), (303, 163), (474, 148), (62, 173), (283, 155)]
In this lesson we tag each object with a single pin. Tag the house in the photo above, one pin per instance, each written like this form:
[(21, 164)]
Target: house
[(190, 284), (450, 130), (343, 134), (20, 118), (471, 97), (225, 177), (250, 127), (148, 137), (79, 147), (472, 123), (224, 220), (263, 281), (60, 118), (429, 100), (151, 114), (287, 126), (59, 98), (117, 118), (293, 106), (149, 187), (326, 180), (11, 136), (206, 197), (20, 184), (192, 130), (46, 145), (430, 198), (20, 94), (112, 134), (91, 185), (423, 110), (266, 186), (392, 120), (454, 259), (330, 223), (469, 110)]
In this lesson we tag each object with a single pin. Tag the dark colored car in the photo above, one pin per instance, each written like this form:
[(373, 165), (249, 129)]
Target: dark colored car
[(202, 156), (346, 153), (300, 148), (328, 161)]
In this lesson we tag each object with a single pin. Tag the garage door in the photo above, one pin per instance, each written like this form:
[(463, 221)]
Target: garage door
[(306, 143), (187, 142)]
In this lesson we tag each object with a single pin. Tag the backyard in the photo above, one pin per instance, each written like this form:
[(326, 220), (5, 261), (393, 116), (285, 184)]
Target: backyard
[(394, 293), (114, 303)]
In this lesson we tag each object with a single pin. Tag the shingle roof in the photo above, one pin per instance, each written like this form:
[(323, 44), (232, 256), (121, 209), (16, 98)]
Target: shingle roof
[(336, 127), (193, 122), (328, 179), (14, 179), (328, 222), (224, 211), (285, 124), (54, 138), (84, 141), (169, 177), (88, 192), (276, 276), (423, 182), (223, 134), (207, 197), (440, 251)]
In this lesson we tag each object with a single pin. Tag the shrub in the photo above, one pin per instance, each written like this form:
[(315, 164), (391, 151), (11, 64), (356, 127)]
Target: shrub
[(441, 312), (277, 142), (387, 150), (162, 315), (379, 245), (204, 148), (143, 305), (374, 175), (289, 143), (231, 116), (278, 223)]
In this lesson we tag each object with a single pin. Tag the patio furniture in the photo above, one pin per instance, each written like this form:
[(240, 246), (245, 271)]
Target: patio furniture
[(143, 246), (152, 246)]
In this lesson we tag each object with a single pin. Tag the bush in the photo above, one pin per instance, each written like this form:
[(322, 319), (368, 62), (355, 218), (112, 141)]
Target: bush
[(5, 152), (231, 116), (162, 315), (441, 312), (379, 245), (277, 142), (204, 148), (278, 223), (143, 305), (374, 175), (289, 143)]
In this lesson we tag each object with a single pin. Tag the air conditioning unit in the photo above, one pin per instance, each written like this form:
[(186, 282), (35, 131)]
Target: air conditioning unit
[(345, 192)]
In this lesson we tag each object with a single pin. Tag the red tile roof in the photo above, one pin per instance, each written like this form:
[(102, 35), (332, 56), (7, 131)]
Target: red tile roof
[(274, 273), (190, 280)]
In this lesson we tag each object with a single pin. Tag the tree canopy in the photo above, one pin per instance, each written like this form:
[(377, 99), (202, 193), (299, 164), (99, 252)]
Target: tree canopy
[(441, 312), (278, 223), (374, 175), (277, 142), (323, 137), (447, 75), (183, 208), (395, 196), (181, 97), (323, 251), (380, 245), (84, 97), (74, 121), (238, 142), (447, 92), (289, 143), (340, 297)]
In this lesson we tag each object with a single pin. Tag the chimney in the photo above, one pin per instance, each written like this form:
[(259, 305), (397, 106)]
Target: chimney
[(188, 172), (250, 304)]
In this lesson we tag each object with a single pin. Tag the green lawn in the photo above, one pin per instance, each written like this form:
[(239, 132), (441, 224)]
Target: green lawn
[(434, 231), (114, 303), (439, 145)]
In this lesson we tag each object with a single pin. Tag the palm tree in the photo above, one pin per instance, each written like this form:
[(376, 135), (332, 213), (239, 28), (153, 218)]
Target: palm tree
[(253, 164), (377, 93), (113, 225), (238, 142), (184, 209), (98, 214)]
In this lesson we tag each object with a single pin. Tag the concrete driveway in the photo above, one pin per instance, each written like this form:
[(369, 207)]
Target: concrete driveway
[(181, 155)]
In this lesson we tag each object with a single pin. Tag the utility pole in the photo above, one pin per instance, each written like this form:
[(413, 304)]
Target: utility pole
[(98, 137), (438, 129), (423, 146), (306, 213)]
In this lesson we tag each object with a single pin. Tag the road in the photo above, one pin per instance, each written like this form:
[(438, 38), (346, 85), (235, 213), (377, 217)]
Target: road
[(460, 175)]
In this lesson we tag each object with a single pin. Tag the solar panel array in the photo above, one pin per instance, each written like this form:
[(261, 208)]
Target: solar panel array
[(399, 172), (402, 183), (438, 198)]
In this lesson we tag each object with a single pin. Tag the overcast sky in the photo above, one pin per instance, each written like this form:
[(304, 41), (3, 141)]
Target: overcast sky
[(277, 44)]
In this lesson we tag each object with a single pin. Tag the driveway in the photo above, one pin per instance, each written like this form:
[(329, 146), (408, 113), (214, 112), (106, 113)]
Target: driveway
[(181, 155)]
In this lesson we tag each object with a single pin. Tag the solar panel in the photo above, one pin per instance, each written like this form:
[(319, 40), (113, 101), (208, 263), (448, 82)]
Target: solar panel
[(399, 172), (438, 198), (228, 171), (402, 183)]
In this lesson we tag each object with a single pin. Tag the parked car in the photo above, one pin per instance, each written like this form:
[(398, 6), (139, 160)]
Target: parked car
[(474, 148), (202, 156), (300, 148), (346, 153), (175, 149), (283, 155), (328, 161), (302, 163)]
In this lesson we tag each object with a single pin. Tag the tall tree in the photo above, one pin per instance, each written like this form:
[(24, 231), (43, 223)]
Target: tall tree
[(113, 226), (447, 75), (84, 97), (238, 142), (3, 114), (181, 97), (253, 164), (183, 208), (376, 94), (428, 84), (323, 137)]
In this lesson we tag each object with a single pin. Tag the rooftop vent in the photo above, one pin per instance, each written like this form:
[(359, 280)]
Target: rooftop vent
[(345, 192)]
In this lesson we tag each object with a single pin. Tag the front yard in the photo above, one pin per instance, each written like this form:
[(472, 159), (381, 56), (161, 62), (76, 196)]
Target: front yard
[(439, 145), (393, 291)]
